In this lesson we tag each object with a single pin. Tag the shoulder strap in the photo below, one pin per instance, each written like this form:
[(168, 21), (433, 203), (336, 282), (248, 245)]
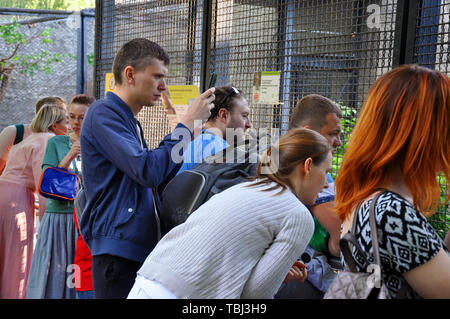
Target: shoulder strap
[(402, 293), (350, 238), (355, 217), (20, 129), (156, 208), (76, 171), (373, 230)]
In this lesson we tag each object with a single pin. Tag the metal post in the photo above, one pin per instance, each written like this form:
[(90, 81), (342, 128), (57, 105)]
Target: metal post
[(405, 32), (81, 55), (206, 44), (37, 12), (97, 45), (104, 20), (287, 15)]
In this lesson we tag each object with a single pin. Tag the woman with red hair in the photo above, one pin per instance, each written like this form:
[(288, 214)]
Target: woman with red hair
[(400, 143)]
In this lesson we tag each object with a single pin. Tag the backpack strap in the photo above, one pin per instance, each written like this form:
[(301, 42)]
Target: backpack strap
[(20, 129), (156, 208)]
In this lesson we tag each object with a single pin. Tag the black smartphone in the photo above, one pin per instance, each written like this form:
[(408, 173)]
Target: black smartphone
[(212, 80)]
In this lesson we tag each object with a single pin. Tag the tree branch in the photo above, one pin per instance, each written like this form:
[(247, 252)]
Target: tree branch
[(12, 55)]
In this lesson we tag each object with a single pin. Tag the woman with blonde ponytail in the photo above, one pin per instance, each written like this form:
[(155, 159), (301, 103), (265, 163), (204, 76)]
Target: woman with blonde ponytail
[(243, 241)]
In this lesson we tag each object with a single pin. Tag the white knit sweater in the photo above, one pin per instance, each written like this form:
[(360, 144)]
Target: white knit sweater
[(239, 244)]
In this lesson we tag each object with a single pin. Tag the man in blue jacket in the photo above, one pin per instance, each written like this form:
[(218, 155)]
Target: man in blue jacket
[(119, 223)]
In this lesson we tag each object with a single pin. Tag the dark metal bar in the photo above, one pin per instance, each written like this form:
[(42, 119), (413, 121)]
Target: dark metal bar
[(191, 35), (405, 32), (19, 11), (81, 56), (97, 46), (206, 45), (39, 20), (287, 29)]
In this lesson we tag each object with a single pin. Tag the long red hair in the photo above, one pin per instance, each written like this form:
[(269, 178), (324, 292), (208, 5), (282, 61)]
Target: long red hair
[(404, 122)]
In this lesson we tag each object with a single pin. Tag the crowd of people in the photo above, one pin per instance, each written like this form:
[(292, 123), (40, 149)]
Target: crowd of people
[(275, 235)]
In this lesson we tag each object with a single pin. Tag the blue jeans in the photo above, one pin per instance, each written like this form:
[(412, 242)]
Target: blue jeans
[(88, 294)]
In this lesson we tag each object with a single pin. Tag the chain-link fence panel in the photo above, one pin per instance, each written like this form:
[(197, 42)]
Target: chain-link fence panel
[(335, 48), (332, 48), (61, 32), (175, 25)]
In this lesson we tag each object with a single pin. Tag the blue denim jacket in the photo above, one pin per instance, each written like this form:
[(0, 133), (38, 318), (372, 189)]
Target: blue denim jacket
[(119, 174)]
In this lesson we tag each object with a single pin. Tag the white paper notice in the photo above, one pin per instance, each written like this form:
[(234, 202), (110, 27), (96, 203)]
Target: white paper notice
[(266, 87)]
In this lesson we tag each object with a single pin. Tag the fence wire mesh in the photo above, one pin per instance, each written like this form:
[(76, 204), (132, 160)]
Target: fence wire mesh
[(336, 48), (175, 25), (22, 90), (431, 50), (322, 47)]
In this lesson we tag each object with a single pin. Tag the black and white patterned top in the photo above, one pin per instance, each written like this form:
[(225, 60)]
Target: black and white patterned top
[(406, 239)]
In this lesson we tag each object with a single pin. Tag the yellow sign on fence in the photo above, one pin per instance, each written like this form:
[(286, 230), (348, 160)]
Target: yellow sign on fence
[(110, 84)]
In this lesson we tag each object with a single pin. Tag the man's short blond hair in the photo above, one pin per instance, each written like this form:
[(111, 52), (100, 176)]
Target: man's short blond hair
[(312, 110)]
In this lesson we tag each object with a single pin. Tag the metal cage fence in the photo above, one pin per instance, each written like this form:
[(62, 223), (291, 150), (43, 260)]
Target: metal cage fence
[(70, 33), (174, 25), (431, 48), (336, 48)]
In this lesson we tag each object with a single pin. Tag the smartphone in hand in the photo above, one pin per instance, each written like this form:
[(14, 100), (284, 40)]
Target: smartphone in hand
[(212, 80)]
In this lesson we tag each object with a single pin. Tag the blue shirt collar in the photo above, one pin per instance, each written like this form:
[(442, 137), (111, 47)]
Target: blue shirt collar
[(120, 103)]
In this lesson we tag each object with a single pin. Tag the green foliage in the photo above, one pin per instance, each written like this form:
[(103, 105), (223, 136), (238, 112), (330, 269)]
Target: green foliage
[(14, 39), (90, 58), (348, 121), (441, 220), (9, 34)]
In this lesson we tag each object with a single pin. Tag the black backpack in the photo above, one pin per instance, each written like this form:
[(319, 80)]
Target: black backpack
[(191, 188)]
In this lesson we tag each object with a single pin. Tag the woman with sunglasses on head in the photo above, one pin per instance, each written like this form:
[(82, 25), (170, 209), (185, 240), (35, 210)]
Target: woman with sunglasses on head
[(55, 247), (18, 185), (400, 143), (243, 241)]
